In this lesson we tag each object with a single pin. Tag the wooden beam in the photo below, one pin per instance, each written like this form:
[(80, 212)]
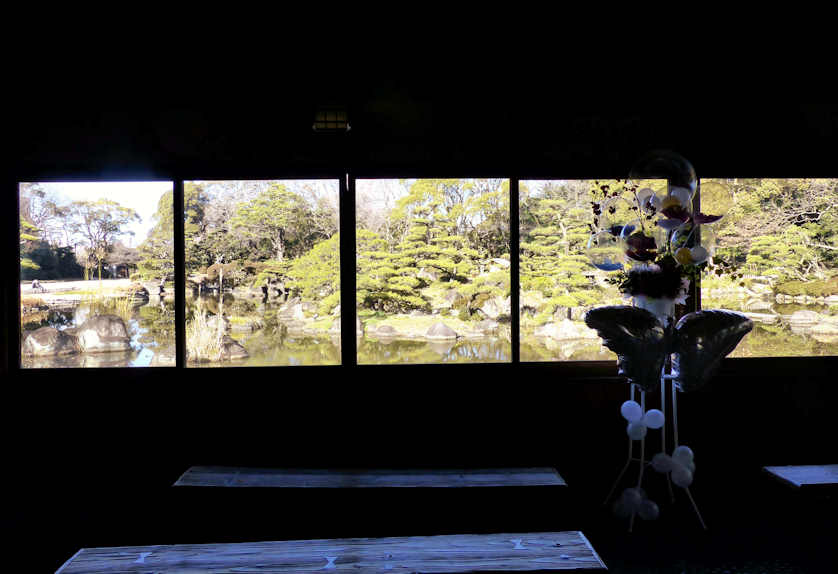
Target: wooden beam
[(543, 552), (375, 478), (808, 478)]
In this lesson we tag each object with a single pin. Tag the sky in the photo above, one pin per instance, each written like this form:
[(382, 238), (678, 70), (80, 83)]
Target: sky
[(142, 196)]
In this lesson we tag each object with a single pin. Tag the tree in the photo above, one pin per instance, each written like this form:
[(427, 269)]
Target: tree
[(555, 220), (158, 249), (100, 222), (275, 218)]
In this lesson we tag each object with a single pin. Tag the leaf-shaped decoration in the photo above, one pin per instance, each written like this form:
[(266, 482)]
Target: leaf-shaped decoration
[(702, 340), (638, 339)]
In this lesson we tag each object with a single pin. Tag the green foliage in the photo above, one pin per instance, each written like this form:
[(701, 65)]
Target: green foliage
[(157, 250), (315, 276), (273, 222), (811, 288)]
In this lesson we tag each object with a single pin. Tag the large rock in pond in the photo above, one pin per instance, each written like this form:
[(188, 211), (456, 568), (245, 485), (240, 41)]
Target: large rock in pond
[(565, 330), (137, 292), (104, 334), (385, 331), (49, 342), (440, 331), (232, 349)]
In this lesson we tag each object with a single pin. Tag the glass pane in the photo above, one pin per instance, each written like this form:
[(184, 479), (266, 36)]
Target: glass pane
[(558, 282), (96, 270), (262, 272), (780, 237), (433, 270)]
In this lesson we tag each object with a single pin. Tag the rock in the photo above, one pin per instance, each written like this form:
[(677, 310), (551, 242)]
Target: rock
[(103, 334), (428, 275), (336, 310), (783, 298), (137, 292), (757, 305), (454, 298), (578, 313), (831, 300), (232, 350), (566, 330), (494, 307), (308, 307), (440, 331), (503, 263), (561, 313), (48, 342), (531, 302), (763, 318), (248, 326), (386, 331)]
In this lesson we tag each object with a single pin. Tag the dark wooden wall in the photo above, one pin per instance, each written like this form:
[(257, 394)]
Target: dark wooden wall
[(82, 445)]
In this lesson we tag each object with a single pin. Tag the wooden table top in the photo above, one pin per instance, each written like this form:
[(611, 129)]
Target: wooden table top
[(368, 478), (810, 477), (458, 554)]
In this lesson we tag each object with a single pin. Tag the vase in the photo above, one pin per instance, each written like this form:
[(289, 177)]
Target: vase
[(660, 307)]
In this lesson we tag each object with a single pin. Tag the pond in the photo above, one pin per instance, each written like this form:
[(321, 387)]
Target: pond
[(274, 344), (150, 327)]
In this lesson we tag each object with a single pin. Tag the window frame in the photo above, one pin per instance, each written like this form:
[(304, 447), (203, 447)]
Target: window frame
[(577, 371)]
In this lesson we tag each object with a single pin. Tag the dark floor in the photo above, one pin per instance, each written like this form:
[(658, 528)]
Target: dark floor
[(755, 525)]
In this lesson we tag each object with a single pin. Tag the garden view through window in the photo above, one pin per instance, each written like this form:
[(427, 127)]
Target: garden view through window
[(558, 282), (262, 263), (96, 274), (262, 270), (433, 270), (781, 237)]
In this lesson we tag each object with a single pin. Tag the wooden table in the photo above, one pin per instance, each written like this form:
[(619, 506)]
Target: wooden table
[(808, 478), (544, 552), (372, 478)]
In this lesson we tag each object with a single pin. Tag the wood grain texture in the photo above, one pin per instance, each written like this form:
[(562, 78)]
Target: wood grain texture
[(296, 478), (545, 552), (807, 477)]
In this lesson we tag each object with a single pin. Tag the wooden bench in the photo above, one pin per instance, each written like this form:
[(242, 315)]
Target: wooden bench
[(543, 552), (817, 478), (284, 478)]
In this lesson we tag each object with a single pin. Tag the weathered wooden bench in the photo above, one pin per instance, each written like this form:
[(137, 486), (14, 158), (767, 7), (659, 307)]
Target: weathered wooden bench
[(212, 476), (543, 552), (815, 478)]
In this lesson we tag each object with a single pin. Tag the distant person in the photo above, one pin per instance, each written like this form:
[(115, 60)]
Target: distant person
[(36, 285)]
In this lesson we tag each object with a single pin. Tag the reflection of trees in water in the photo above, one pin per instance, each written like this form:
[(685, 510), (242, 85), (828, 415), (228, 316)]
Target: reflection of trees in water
[(389, 351), (156, 323)]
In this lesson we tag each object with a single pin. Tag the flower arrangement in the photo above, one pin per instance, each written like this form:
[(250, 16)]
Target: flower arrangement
[(647, 232)]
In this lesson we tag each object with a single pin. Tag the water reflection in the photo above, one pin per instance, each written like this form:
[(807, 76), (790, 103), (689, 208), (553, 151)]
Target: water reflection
[(150, 329)]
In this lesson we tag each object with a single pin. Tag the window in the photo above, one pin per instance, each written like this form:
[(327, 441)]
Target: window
[(433, 270), (262, 263), (558, 282), (96, 274), (781, 238)]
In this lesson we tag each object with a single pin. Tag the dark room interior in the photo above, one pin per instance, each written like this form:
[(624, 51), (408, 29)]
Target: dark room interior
[(92, 455)]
